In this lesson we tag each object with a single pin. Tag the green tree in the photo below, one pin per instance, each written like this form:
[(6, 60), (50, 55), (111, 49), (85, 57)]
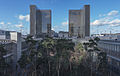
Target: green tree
[(102, 63), (48, 44), (63, 53)]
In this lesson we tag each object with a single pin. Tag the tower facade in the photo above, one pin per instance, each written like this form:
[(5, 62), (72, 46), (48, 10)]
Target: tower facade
[(40, 20), (79, 22)]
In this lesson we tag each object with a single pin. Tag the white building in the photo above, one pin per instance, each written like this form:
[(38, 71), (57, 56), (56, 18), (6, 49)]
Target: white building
[(13, 46), (4, 34), (15, 36), (63, 34), (107, 36)]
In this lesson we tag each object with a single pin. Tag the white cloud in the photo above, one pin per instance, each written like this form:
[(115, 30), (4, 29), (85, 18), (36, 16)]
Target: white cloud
[(102, 22), (110, 19), (62, 27), (2, 23), (8, 23), (19, 25), (26, 17), (96, 23), (6, 26), (112, 13), (52, 28), (101, 15), (65, 23), (13, 27), (115, 22), (21, 17)]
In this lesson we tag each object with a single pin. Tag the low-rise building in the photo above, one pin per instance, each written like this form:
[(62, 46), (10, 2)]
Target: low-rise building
[(13, 48), (54, 34), (63, 34), (4, 34), (107, 36)]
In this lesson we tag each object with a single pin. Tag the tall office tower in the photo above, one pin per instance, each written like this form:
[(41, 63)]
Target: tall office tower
[(79, 22), (40, 22)]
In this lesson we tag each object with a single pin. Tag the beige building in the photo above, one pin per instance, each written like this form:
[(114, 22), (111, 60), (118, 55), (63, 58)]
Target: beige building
[(40, 22), (79, 22)]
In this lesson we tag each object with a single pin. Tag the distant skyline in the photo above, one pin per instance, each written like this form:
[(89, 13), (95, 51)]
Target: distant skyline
[(105, 14)]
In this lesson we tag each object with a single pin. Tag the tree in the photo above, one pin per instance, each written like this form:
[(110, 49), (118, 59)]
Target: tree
[(102, 63), (49, 43), (28, 57), (24, 61), (3, 64), (92, 48), (54, 57)]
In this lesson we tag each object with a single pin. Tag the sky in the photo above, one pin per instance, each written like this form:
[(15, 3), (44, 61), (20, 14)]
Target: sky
[(104, 15)]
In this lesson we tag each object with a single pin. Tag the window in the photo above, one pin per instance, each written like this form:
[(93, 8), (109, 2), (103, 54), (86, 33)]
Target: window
[(75, 13)]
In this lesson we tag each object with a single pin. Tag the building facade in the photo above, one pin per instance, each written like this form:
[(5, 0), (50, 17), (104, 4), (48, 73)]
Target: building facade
[(112, 48), (16, 37), (15, 40), (13, 50), (115, 36), (4, 34), (63, 34), (40, 22), (79, 22)]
